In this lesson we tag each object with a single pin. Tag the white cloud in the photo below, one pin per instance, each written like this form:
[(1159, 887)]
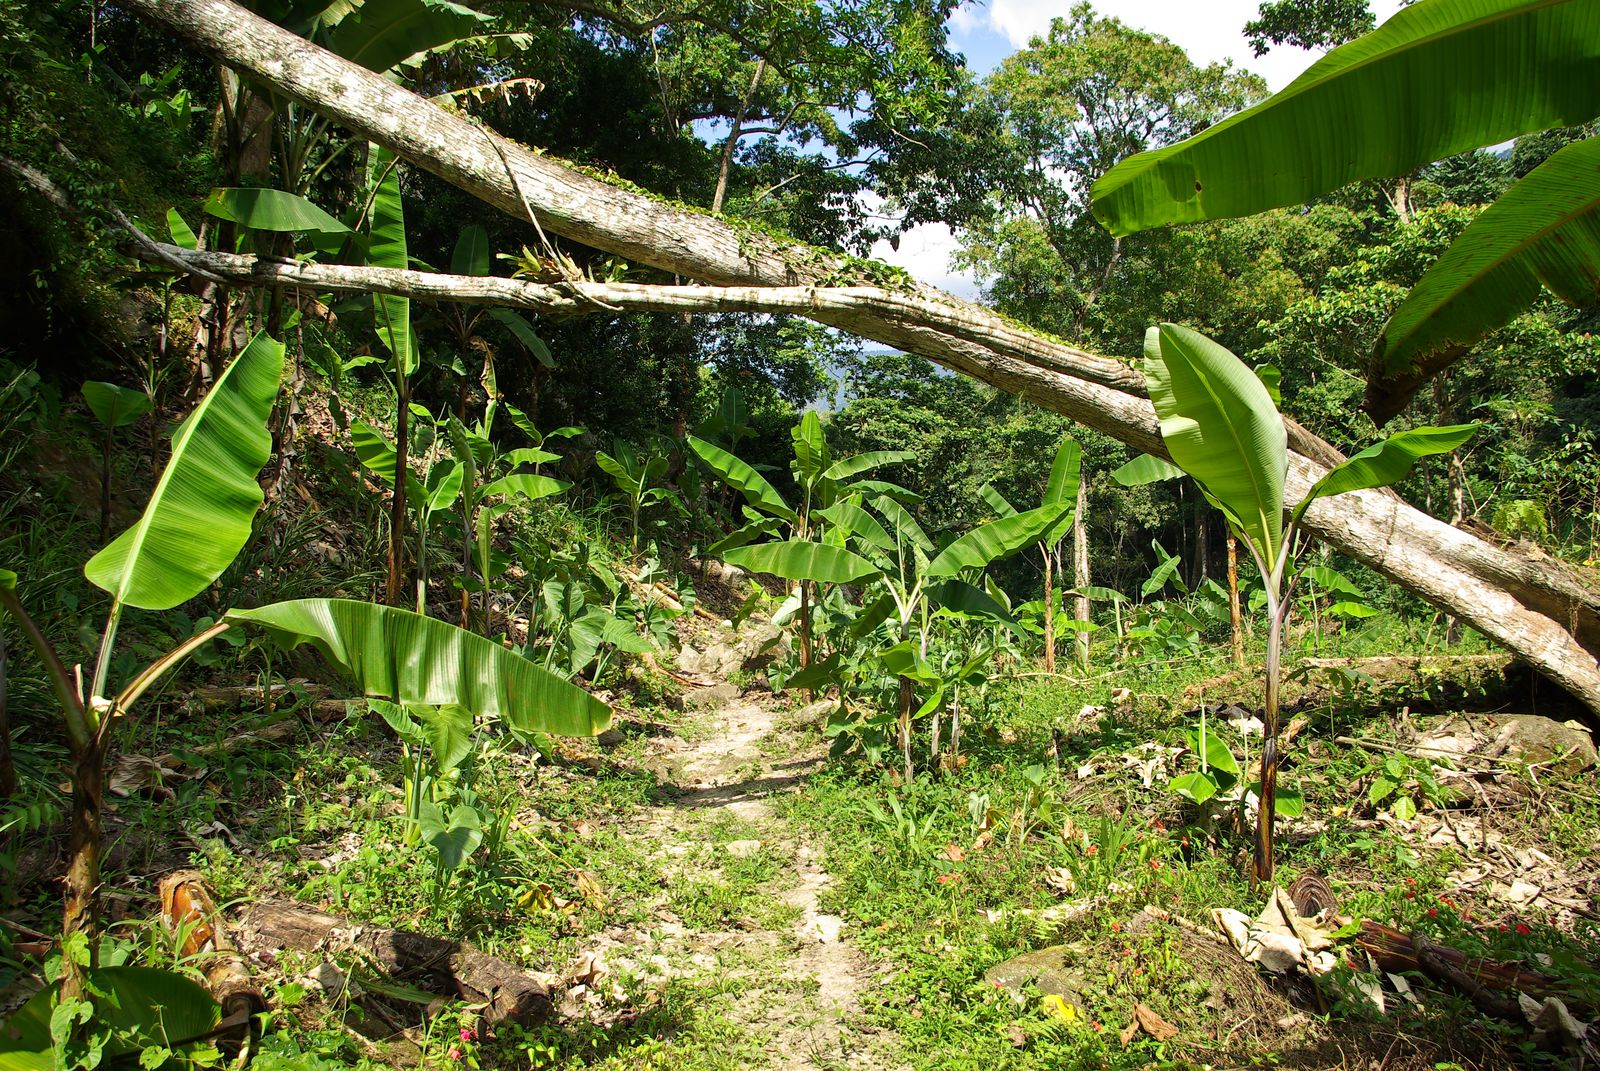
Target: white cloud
[(1209, 31), (925, 251)]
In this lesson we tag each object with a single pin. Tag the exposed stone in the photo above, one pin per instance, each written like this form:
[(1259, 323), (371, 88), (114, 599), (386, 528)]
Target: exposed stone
[(1537, 739), (1046, 969)]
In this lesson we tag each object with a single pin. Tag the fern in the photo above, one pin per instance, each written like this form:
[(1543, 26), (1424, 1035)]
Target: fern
[(25, 818)]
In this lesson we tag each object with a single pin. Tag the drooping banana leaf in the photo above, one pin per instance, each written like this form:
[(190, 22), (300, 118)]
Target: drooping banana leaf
[(263, 209), (182, 234), (848, 514), (382, 34), (905, 526), (1439, 78), (1221, 428), (518, 325), (742, 478), (1146, 468), (377, 455), (420, 661), (996, 501), (145, 1006), (801, 559), (856, 464), (1545, 230), (201, 511), (525, 485), (1384, 463), (961, 597), (998, 539), (115, 406)]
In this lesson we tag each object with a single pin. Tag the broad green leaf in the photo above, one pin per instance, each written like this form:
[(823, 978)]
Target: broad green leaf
[(859, 463), (815, 676), (1329, 580), (964, 598), (387, 249), (1544, 231), (1437, 79), (1146, 468), (1062, 487), (407, 728), (1197, 787), (383, 34), (1381, 789), (448, 731), (455, 838), (523, 485), (811, 457), (529, 455), (519, 326), (1218, 755), (204, 503), (801, 559), (1159, 576), (377, 455), (270, 210), (1220, 426), (905, 660), (744, 535), (1270, 376), (1384, 463), (1000, 538), (471, 254), (115, 406), (742, 478), (848, 515), (421, 661), (1405, 808), (906, 528), (1352, 609), (996, 501), (8, 580), (444, 486), (144, 1007), (1290, 802), (181, 233), (880, 488)]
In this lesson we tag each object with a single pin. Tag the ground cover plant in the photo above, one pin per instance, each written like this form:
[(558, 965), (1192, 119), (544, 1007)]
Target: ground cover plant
[(609, 656)]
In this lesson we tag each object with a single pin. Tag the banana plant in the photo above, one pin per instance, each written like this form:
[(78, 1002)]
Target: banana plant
[(1066, 472), (114, 407), (199, 517), (1343, 120), (823, 482), (633, 472), (1221, 426)]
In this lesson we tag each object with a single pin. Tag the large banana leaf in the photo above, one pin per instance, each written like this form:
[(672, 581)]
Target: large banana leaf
[(1384, 463), (1146, 468), (1065, 474), (848, 514), (1221, 427), (421, 661), (905, 526), (199, 515), (471, 254), (801, 559), (115, 406), (377, 455), (525, 485), (270, 210), (387, 249), (146, 1006), (1439, 78), (811, 457), (381, 34), (1544, 230), (866, 462), (742, 478), (961, 597), (998, 539), (996, 501)]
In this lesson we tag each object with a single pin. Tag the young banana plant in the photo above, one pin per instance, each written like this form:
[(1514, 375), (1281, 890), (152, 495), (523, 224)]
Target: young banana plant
[(1221, 426), (199, 517)]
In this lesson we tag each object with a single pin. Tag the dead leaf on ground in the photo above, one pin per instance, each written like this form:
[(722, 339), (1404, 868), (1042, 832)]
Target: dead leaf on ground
[(954, 853), (1147, 1020)]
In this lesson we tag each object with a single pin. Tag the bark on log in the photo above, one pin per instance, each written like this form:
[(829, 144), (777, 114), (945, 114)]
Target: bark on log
[(1513, 601), (453, 968)]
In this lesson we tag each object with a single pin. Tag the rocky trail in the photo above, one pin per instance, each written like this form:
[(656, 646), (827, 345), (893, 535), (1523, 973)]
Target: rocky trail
[(743, 916)]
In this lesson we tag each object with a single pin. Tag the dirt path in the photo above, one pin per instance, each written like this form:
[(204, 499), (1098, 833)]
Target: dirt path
[(789, 970)]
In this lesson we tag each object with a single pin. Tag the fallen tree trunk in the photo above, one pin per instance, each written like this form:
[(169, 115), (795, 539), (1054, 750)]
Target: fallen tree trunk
[(452, 968), (1539, 612), (190, 914)]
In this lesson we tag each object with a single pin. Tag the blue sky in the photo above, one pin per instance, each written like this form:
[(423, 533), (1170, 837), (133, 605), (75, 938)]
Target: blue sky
[(1209, 30)]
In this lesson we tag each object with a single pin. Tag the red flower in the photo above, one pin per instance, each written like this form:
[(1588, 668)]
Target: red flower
[(1116, 927), (467, 1034), (1433, 912), (1522, 928), (946, 879), (455, 1054), (1155, 864), (1091, 849)]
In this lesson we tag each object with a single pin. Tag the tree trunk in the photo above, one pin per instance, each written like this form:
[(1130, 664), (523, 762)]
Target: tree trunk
[(82, 884), (1080, 571), (728, 146), (1519, 602)]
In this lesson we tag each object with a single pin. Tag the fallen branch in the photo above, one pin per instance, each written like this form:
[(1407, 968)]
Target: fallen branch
[(190, 913), (452, 968)]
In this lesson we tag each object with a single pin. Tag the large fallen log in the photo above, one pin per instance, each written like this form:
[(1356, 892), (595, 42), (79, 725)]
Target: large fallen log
[(190, 913), (452, 968), (1547, 614)]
